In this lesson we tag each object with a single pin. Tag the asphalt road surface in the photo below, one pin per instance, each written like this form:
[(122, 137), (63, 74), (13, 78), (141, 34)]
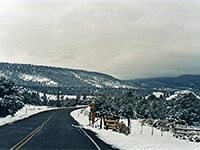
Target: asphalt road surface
[(54, 129)]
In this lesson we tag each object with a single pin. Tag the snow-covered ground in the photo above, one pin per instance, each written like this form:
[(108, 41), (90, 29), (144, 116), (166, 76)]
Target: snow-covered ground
[(158, 94), (135, 140), (25, 112), (181, 92)]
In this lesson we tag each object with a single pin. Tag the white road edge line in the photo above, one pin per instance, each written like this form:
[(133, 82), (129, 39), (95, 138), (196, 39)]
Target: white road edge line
[(88, 137), (91, 139)]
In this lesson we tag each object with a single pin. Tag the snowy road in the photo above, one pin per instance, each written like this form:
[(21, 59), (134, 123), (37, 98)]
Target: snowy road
[(54, 129)]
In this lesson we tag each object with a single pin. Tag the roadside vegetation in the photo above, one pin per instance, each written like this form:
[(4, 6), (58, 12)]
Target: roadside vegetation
[(13, 98), (182, 110)]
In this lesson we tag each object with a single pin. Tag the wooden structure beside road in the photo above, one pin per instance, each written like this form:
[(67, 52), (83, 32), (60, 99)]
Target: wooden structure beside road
[(110, 120)]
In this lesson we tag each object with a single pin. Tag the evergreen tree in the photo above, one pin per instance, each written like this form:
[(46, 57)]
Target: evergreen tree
[(10, 101)]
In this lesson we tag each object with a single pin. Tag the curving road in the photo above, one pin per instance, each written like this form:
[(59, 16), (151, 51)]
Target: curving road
[(54, 129)]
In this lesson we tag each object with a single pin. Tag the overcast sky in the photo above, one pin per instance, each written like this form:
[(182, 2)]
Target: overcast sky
[(124, 38)]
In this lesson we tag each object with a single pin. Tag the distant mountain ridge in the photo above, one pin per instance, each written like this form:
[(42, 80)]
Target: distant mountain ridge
[(33, 75), (185, 81)]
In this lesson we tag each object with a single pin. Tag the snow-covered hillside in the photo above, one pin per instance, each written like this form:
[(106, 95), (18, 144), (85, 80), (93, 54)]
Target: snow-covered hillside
[(31, 75)]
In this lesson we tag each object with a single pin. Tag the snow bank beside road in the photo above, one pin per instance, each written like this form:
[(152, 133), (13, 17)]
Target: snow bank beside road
[(136, 140), (25, 112)]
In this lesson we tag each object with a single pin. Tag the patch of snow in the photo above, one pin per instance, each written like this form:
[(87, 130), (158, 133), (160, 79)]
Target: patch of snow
[(34, 78), (147, 96), (197, 96), (70, 96), (51, 97), (181, 92), (51, 83), (135, 140), (158, 94), (25, 112), (172, 96), (91, 82), (90, 97)]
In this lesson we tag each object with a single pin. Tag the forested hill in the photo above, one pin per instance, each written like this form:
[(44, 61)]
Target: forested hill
[(32, 75)]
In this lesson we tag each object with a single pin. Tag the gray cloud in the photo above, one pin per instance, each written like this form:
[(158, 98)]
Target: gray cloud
[(127, 39)]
